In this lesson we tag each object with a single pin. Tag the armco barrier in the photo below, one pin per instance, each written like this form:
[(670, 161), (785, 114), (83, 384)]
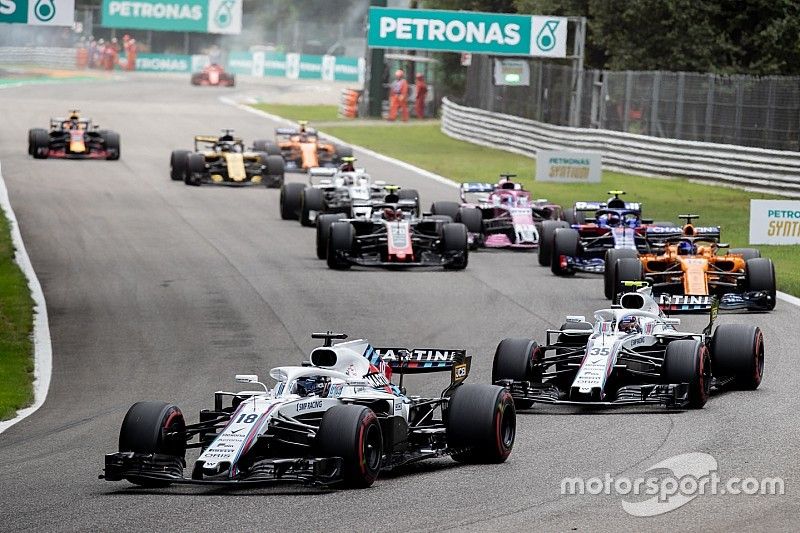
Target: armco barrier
[(45, 57), (757, 169)]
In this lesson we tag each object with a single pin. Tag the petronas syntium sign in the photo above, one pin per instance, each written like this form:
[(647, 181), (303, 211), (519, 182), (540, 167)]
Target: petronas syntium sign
[(468, 31), (206, 16)]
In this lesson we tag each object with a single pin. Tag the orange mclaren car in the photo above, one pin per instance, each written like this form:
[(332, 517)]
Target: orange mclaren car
[(302, 148), (687, 271)]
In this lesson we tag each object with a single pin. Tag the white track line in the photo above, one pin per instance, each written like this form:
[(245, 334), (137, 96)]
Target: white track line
[(42, 345), (441, 179)]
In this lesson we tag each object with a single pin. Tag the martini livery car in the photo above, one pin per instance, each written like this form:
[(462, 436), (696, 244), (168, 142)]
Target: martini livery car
[(631, 354), (338, 418)]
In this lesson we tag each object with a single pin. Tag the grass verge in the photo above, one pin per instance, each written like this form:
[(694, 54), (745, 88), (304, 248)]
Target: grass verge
[(312, 113), (425, 146), (16, 326)]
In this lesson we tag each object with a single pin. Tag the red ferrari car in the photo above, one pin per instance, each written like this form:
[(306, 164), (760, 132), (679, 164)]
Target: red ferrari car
[(214, 74)]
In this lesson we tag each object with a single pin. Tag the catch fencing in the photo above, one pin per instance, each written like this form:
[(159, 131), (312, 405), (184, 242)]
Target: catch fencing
[(761, 112), (773, 171)]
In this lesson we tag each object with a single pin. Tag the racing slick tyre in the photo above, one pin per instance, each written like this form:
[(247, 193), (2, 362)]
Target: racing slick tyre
[(323, 232), (410, 194), (566, 242), (546, 235), (760, 276), (340, 241), (515, 359), (454, 240), (610, 260), (177, 164), (481, 423), (111, 140), (353, 433), (311, 200), (625, 269), (269, 147), (472, 218), (737, 351), (195, 168), (143, 431), (274, 170), (196, 78), (228, 80), (343, 151), (445, 208), (39, 143), (291, 197), (573, 216), (746, 253), (688, 361), (33, 134)]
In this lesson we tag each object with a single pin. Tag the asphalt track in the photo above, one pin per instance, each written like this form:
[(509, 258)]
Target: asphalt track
[(160, 291)]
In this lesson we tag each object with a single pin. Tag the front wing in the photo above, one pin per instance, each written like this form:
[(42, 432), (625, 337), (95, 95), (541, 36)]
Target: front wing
[(675, 395)]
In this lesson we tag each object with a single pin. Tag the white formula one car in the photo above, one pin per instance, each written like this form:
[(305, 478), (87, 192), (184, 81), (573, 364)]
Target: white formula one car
[(632, 354), (336, 419)]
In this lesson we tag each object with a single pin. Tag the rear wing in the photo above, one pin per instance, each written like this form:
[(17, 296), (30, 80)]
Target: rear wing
[(661, 232), (474, 188), (594, 206), (425, 360), (321, 175)]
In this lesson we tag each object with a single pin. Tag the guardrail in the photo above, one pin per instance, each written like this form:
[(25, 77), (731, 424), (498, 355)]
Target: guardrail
[(773, 171), (48, 57)]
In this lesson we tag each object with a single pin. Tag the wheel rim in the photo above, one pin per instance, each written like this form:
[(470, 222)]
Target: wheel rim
[(372, 449), (759, 366), (507, 425)]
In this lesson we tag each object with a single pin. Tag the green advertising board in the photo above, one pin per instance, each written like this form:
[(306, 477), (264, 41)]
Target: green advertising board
[(296, 66), (38, 12), (467, 31), (206, 16), (162, 62)]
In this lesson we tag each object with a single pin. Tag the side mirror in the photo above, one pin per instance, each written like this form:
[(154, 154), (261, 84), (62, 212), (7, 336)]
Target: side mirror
[(672, 321), (246, 378), (572, 319)]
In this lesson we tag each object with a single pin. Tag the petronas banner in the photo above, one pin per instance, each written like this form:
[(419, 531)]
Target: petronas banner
[(467, 31), (206, 16)]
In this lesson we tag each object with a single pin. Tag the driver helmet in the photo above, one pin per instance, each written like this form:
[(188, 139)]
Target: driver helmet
[(225, 147), (631, 221), (628, 324), (316, 385), (347, 166), (388, 213), (602, 221), (686, 248)]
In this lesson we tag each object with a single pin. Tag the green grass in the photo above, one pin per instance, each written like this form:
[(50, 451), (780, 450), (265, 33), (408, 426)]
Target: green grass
[(427, 147), (312, 113), (16, 325)]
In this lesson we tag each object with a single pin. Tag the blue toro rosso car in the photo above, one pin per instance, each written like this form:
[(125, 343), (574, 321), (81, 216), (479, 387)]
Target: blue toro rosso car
[(616, 229)]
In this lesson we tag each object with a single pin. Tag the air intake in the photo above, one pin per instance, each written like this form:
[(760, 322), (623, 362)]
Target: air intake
[(631, 300)]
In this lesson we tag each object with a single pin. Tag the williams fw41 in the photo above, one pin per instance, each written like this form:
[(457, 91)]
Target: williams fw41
[(632, 354), (688, 269), (500, 215), (337, 419), (73, 138), (224, 160), (348, 191), (214, 75), (394, 236)]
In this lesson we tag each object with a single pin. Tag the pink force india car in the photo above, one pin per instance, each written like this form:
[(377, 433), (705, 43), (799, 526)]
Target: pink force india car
[(501, 215)]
